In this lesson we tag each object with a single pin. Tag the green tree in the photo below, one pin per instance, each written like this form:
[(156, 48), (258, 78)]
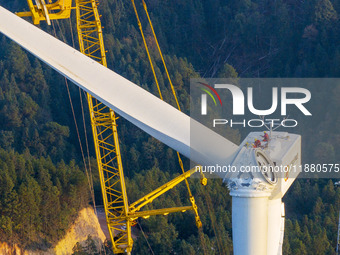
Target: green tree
[(325, 13)]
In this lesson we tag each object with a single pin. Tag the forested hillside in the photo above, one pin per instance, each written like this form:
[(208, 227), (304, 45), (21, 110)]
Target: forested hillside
[(42, 175)]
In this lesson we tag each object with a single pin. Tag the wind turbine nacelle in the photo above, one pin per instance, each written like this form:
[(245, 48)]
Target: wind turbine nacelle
[(268, 169)]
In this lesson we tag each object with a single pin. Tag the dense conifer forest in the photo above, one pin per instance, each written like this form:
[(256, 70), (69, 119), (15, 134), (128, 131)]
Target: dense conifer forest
[(42, 175)]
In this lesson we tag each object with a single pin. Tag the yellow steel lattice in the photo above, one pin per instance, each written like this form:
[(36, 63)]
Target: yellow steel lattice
[(104, 129)]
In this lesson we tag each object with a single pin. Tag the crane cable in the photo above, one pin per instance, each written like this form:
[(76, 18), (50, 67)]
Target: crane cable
[(170, 82), (147, 49), (153, 71), (85, 132), (140, 226), (88, 172), (213, 223), (192, 200), (207, 196), (161, 55)]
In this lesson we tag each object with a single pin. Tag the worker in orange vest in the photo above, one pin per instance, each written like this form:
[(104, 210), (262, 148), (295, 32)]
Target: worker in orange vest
[(265, 137), (257, 143)]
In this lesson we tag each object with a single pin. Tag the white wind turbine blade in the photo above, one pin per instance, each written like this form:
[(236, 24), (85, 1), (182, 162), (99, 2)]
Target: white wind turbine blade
[(138, 106)]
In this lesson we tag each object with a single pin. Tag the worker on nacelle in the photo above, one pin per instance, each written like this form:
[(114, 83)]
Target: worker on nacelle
[(265, 136), (257, 143)]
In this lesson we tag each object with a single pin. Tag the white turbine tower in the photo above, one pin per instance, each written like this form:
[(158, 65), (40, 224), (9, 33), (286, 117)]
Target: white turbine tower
[(257, 210)]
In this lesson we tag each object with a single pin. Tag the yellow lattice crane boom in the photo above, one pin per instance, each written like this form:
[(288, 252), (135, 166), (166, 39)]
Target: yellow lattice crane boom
[(120, 215)]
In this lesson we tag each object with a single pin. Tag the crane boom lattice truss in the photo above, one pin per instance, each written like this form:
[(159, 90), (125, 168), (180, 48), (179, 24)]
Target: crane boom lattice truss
[(104, 129)]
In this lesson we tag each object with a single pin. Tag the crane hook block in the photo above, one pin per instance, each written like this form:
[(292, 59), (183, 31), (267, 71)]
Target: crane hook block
[(60, 9)]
